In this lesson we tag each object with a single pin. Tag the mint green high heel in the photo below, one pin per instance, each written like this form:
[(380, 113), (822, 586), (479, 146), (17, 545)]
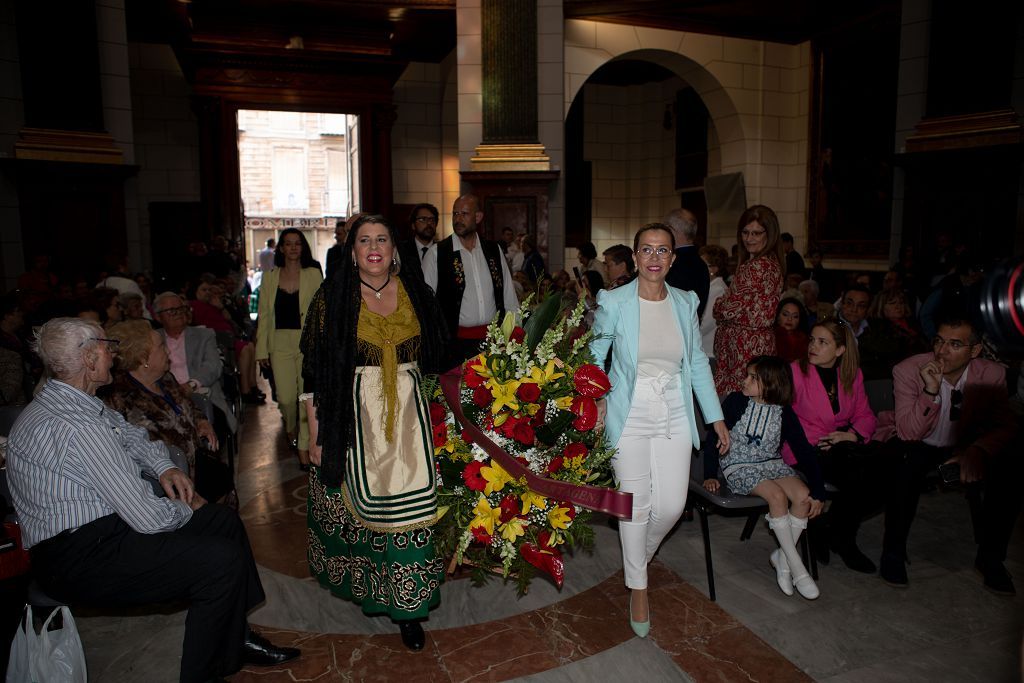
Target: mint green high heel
[(640, 628)]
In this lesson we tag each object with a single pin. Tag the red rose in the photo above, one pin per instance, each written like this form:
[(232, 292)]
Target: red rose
[(508, 427), (528, 392), (591, 381), (481, 396), (470, 376), (518, 334), (471, 475), (437, 413), (440, 435), (554, 465), (570, 509), (466, 437), (575, 450), (509, 508), (523, 433), (480, 535), (585, 410)]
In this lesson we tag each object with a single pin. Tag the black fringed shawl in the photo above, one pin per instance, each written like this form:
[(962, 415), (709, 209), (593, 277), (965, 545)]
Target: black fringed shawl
[(329, 349)]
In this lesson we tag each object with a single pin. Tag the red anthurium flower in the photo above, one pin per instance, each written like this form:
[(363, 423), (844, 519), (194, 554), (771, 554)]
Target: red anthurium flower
[(585, 410), (554, 465), (548, 560), (437, 413), (508, 427), (518, 334), (470, 376), (481, 396), (509, 508), (471, 475), (528, 392), (538, 419), (523, 433), (591, 381), (480, 535)]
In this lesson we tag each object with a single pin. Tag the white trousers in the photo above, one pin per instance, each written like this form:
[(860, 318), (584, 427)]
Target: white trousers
[(652, 463)]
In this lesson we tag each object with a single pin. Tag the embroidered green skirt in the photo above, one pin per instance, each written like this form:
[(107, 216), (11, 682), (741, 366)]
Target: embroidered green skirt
[(370, 540)]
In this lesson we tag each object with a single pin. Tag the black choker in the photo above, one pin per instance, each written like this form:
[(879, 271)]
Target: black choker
[(377, 290)]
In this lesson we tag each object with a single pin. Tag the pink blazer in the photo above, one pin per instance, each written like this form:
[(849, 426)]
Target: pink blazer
[(810, 403), (986, 421)]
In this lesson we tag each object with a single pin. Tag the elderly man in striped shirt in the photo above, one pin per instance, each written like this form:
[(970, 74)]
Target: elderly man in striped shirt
[(95, 530)]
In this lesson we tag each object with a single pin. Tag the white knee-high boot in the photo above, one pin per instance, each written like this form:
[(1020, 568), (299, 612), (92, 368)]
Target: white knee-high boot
[(786, 532)]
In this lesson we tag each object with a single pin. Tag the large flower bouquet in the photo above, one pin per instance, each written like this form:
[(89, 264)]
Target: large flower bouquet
[(531, 394)]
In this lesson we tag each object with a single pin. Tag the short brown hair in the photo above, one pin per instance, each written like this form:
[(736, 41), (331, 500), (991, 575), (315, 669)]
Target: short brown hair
[(654, 226), (776, 379), (136, 343)]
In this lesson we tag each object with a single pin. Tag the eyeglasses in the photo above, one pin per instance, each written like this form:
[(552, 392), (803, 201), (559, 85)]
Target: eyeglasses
[(753, 233), (425, 219), (648, 252), (954, 344), (956, 402), (112, 344), (177, 310)]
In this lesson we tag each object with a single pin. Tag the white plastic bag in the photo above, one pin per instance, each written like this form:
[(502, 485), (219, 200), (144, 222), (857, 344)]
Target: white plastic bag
[(50, 656)]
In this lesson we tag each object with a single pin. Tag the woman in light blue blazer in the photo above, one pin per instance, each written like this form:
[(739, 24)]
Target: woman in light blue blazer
[(657, 367)]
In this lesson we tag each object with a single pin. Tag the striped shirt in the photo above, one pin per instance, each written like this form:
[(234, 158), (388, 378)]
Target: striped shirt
[(72, 460)]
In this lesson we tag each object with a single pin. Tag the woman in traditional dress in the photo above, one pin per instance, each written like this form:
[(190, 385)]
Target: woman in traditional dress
[(372, 330), (746, 313)]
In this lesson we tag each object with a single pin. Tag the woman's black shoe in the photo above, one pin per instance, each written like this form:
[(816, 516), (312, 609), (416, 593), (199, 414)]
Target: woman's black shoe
[(854, 558), (412, 635)]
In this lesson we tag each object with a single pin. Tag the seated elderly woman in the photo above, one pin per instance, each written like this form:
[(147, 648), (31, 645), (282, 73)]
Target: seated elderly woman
[(148, 397)]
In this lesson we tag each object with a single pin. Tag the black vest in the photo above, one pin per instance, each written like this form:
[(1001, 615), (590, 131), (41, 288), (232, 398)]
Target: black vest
[(451, 279)]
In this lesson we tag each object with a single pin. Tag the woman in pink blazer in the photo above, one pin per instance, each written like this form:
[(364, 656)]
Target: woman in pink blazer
[(829, 399)]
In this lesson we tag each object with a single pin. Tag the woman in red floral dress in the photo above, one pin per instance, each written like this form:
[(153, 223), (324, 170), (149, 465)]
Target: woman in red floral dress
[(746, 312)]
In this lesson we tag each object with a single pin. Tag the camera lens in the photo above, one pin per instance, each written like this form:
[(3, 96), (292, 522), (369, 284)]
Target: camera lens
[(1002, 305)]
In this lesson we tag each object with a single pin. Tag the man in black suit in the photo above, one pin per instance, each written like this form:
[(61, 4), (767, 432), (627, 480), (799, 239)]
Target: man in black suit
[(688, 271)]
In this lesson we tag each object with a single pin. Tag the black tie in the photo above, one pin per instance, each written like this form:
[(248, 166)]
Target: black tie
[(423, 251)]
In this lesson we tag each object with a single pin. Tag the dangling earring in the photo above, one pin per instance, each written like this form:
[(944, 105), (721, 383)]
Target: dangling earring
[(145, 365)]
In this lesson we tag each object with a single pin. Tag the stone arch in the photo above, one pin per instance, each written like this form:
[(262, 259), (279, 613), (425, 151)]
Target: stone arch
[(721, 107)]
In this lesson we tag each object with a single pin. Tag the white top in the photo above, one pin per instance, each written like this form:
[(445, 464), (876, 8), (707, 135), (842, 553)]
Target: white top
[(944, 436), (478, 306), (707, 323), (660, 351)]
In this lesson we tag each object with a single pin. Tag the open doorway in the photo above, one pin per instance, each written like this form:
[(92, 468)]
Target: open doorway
[(296, 170)]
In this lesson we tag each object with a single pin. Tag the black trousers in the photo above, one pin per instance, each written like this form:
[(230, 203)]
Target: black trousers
[(208, 562), (995, 500), (857, 471)]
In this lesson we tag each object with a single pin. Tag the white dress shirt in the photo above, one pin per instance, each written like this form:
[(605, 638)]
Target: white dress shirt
[(424, 249), (478, 306), (944, 436)]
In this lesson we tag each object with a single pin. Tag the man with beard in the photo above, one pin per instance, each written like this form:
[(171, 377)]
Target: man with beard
[(423, 223), (471, 279)]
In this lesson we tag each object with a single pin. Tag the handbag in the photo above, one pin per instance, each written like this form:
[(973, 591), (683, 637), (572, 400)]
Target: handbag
[(50, 656)]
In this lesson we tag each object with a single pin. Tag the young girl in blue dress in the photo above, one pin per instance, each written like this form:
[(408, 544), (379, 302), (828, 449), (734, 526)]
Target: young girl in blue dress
[(760, 419)]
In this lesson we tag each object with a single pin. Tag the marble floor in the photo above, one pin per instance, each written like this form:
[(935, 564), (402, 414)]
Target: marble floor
[(944, 627)]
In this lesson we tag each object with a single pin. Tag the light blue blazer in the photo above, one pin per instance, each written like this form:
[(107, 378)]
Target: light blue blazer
[(618, 320)]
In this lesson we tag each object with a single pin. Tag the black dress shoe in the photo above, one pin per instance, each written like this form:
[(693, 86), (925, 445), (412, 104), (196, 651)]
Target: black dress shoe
[(258, 651), (893, 570), (412, 635), (853, 558), (997, 579)]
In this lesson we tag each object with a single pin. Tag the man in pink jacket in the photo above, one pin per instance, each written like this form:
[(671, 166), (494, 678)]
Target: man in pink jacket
[(952, 408)]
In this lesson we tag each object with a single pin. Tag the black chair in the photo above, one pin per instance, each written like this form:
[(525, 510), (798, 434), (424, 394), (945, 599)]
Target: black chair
[(730, 504)]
